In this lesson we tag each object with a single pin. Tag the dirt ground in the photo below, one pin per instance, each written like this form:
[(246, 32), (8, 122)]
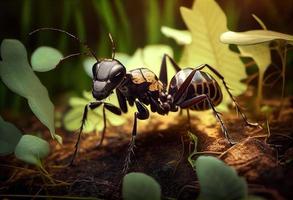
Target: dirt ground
[(263, 156)]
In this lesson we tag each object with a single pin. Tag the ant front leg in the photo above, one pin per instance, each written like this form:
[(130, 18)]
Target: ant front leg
[(113, 109), (142, 113), (92, 106)]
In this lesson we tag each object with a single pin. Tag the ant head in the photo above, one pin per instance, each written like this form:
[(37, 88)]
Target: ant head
[(107, 75)]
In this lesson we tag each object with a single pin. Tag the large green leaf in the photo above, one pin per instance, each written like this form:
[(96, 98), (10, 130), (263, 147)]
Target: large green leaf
[(254, 37), (206, 21), (32, 149), (140, 186), (219, 181), (18, 76), (9, 137), (45, 58)]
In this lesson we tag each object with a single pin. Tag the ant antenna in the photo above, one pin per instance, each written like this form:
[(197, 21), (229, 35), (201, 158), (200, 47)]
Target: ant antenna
[(113, 46), (71, 35)]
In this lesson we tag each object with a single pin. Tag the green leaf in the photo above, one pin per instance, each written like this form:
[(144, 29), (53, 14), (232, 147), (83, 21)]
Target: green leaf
[(45, 59), (9, 137), (219, 181), (182, 37), (254, 37), (32, 149), (19, 77), (206, 21), (140, 186)]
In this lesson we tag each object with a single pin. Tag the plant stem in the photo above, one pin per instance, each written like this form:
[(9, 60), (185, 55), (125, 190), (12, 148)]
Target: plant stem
[(283, 55), (259, 92)]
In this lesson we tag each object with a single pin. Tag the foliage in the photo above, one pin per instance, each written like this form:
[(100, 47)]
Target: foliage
[(32, 149), (18, 76), (27, 148), (206, 21), (218, 181), (140, 186), (255, 44), (9, 137), (45, 58)]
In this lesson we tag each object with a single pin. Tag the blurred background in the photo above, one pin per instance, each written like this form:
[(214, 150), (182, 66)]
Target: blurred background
[(133, 24)]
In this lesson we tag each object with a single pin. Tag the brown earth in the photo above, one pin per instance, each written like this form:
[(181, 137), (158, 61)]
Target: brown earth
[(161, 151)]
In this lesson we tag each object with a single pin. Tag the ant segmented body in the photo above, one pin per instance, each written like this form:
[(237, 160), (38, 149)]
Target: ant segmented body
[(189, 88)]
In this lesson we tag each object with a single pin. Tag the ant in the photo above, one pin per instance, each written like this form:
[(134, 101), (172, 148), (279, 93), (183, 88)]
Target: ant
[(190, 88)]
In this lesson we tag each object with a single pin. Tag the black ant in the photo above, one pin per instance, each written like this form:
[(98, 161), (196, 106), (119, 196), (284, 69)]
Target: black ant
[(189, 88)]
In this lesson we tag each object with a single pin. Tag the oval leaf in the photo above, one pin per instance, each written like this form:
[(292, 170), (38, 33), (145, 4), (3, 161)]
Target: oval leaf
[(45, 58), (9, 137), (219, 181), (32, 149), (254, 37), (140, 186), (19, 77)]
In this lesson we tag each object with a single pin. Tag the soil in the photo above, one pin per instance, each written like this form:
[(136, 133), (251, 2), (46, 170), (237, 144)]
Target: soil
[(263, 156)]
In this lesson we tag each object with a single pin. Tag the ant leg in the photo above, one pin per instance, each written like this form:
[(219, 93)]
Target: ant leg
[(142, 113), (122, 101), (163, 69), (183, 88), (112, 109), (200, 98), (238, 109), (92, 106), (188, 117)]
